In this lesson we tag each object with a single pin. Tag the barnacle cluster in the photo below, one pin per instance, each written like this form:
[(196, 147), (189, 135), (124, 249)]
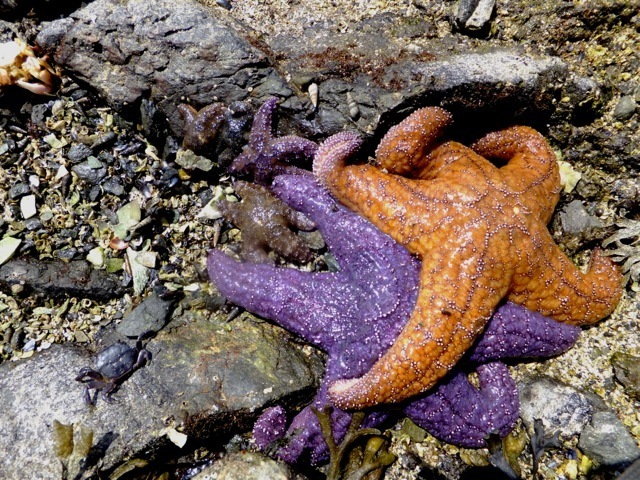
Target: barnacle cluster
[(20, 66)]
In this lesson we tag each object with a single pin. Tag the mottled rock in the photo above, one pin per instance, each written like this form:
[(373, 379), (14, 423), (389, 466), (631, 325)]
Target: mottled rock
[(78, 152), (150, 315), (247, 466), (57, 279), (90, 171), (627, 370), (160, 50), (560, 407), (625, 108), (576, 220), (606, 441), (209, 376), (474, 15)]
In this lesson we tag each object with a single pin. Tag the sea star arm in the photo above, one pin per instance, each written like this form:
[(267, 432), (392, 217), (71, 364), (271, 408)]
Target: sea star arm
[(264, 155), (568, 295), (532, 170), (201, 126), (459, 413), (403, 150)]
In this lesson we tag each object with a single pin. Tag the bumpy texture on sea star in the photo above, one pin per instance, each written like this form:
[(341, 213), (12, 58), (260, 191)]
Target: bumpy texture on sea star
[(266, 156), (480, 233), (264, 221), (201, 126), (356, 313)]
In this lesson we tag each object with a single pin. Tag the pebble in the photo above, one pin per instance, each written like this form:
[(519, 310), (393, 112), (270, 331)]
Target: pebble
[(575, 219), (627, 371), (607, 441), (150, 315), (78, 152), (28, 206), (88, 172), (18, 190), (625, 108), (560, 407)]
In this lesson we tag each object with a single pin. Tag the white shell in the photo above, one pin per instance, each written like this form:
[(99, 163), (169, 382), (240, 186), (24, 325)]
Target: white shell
[(313, 94), (354, 111)]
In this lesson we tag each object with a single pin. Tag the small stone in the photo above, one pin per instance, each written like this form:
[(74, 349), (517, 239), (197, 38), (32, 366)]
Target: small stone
[(569, 177), (8, 246), (78, 152), (560, 407), (627, 370), (113, 186), (150, 315), (28, 206), (625, 108), (575, 219), (96, 256), (606, 440), (190, 161), (18, 190), (88, 172)]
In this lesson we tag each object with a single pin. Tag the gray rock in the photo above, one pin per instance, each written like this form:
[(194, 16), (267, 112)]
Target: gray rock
[(625, 108), (59, 279), (474, 15), (606, 441), (18, 190), (90, 171), (207, 379), (160, 50), (247, 466), (136, 49), (150, 315), (575, 219), (560, 407), (78, 152)]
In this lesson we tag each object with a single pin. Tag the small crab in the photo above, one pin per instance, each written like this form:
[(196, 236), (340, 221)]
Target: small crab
[(113, 365)]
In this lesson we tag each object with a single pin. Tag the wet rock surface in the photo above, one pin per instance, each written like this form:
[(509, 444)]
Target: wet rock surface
[(572, 412), (137, 50), (56, 279), (207, 379)]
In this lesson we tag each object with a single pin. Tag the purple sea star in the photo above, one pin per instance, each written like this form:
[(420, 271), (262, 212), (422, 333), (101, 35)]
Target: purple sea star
[(266, 155), (355, 314)]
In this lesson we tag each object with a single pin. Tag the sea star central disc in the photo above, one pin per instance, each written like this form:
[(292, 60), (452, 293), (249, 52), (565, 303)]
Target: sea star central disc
[(480, 233)]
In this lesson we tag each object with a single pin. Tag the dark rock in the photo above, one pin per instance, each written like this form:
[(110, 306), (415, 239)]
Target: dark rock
[(163, 54), (575, 219), (150, 315), (18, 190), (207, 378), (473, 15), (78, 152), (627, 371), (606, 441), (33, 224), (161, 51), (90, 171), (58, 279), (114, 186), (625, 108)]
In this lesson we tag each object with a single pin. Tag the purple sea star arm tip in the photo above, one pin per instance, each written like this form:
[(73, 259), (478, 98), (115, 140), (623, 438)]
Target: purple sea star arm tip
[(515, 332), (459, 413)]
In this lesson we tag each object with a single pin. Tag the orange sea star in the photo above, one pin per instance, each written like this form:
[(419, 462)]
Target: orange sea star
[(480, 233)]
